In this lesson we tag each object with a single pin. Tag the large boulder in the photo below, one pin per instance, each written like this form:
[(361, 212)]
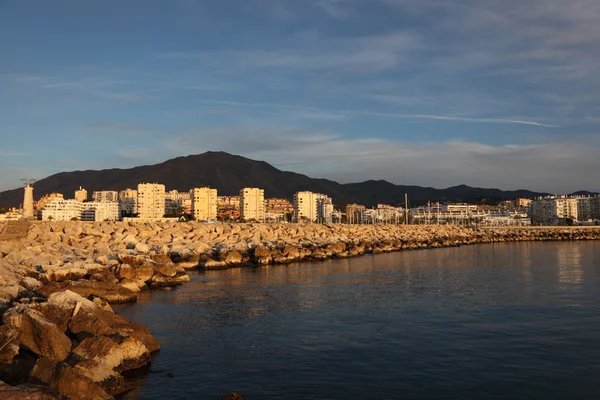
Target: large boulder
[(113, 293), (103, 359), (9, 343), (38, 334), (74, 385), (25, 392)]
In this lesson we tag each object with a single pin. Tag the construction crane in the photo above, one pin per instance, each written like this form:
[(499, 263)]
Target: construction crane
[(28, 181)]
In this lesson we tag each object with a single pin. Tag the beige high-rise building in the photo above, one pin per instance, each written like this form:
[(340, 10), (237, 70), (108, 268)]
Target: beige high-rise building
[(204, 204), (81, 194), (28, 202), (151, 200), (305, 207), (252, 204)]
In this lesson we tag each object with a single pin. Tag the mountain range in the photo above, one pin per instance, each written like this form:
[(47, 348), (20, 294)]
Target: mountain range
[(229, 173)]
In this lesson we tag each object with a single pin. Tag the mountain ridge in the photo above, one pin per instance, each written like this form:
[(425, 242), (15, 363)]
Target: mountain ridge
[(229, 173)]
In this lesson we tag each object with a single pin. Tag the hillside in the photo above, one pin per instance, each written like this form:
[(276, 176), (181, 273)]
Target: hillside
[(229, 173)]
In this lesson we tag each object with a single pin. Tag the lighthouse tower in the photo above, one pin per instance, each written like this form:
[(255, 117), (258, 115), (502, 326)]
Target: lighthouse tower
[(28, 202)]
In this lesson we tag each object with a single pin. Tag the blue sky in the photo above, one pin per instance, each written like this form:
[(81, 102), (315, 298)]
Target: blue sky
[(430, 92)]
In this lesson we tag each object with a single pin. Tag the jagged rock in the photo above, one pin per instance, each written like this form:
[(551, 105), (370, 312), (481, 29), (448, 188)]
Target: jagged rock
[(30, 283), (72, 384), (158, 280), (38, 334), (211, 264), (25, 392), (113, 293), (233, 258), (167, 269), (9, 343), (142, 248), (103, 359), (61, 274)]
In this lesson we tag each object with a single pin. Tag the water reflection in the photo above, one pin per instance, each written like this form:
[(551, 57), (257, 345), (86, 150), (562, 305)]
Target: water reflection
[(570, 268)]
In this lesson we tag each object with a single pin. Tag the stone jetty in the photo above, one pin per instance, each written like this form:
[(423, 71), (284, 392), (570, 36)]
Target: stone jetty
[(58, 333)]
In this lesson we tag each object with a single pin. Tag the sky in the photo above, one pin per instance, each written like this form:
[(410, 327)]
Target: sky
[(434, 93)]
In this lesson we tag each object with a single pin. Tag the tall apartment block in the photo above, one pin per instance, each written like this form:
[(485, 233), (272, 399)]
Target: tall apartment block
[(204, 204), (81, 194), (305, 207), (252, 204), (151, 200), (106, 196)]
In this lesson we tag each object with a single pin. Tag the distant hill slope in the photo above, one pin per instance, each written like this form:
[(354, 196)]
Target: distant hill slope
[(229, 173)]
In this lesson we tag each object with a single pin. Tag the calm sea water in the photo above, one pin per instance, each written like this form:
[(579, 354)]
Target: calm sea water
[(503, 321)]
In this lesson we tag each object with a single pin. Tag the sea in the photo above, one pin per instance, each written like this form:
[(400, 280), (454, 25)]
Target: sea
[(492, 321)]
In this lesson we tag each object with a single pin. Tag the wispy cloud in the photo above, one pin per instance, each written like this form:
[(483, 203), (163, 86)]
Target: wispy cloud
[(380, 114)]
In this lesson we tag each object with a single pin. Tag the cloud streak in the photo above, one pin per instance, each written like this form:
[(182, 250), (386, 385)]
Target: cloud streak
[(380, 114)]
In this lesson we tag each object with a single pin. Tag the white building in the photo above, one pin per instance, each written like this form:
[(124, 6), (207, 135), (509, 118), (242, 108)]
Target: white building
[(252, 204), (128, 202), (105, 196), (95, 211), (204, 204), (63, 210), (305, 207), (324, 209), (151, 200), (551, 210)]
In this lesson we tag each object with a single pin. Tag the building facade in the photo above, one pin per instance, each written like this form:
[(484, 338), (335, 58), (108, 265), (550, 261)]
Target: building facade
[(106, 196), (63, 210), (324, 209), (252, 204), (553, 210), (128, 202), (81, 194), (204, 204), (305, 207), (47, 199), (177, 203), (151, 200), (94, 211)]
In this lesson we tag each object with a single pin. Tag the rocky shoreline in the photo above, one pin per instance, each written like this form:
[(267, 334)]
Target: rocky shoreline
[(59, 335)]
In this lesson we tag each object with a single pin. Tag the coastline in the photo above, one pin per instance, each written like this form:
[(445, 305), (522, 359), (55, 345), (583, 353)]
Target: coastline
[(63, 275)]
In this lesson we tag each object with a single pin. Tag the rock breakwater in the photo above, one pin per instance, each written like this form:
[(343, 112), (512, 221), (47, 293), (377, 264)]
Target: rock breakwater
[(58, 333)]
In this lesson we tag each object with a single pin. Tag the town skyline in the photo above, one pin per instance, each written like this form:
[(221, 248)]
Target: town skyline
[(417, 93)]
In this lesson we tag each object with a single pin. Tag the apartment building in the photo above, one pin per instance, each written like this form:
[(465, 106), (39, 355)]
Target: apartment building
[(551, 209), (60, 209), (151, 200), (128, 202), (204, 204), (252, 204), (324, 209), (305, 207), (588, 208), (81, 194), (94, 211), (106, 196)]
